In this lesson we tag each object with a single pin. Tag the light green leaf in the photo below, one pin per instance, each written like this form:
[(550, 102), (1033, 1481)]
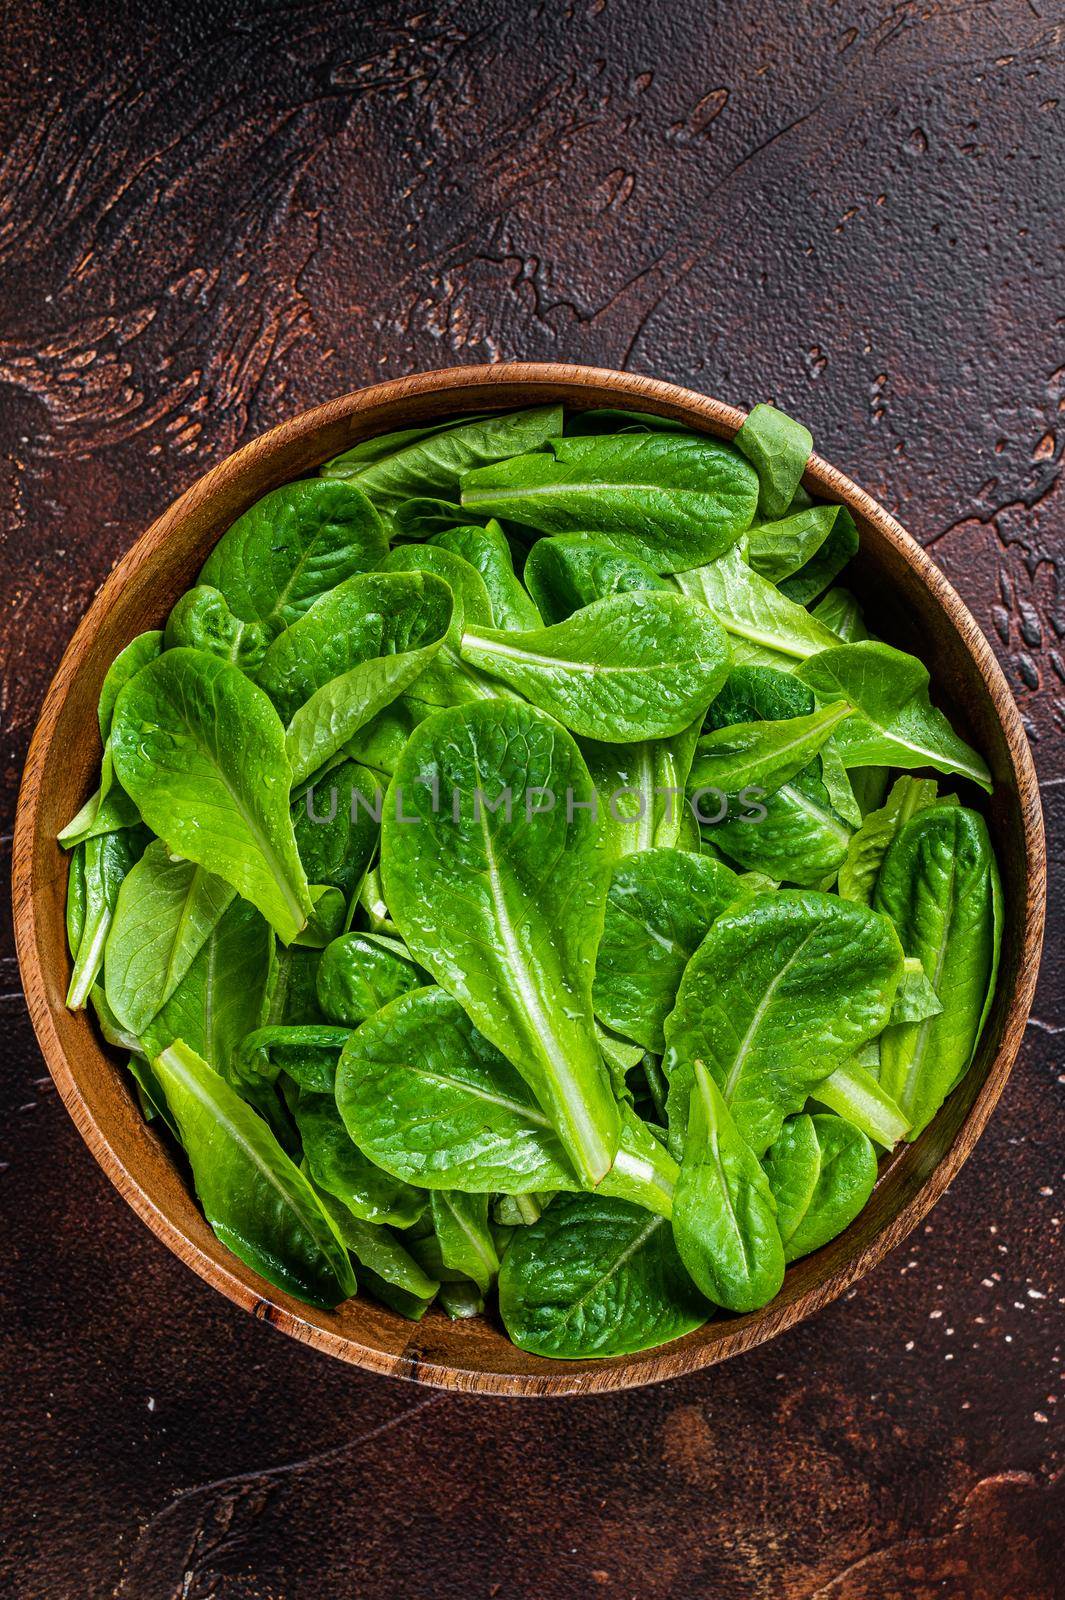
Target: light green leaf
[(202, 753), (895, 724), (165, 912), (765, 628)]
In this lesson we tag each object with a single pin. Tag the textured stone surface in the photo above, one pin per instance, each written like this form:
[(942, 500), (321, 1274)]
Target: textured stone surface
[(214, 214)]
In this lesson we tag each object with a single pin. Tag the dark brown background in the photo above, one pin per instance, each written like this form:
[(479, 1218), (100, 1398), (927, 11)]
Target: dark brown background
[(212, 215)]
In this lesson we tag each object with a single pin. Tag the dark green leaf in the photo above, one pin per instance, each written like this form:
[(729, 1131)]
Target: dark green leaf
[(570, 571), (634, 666), (339, 1167), (777, 549), (672, 501), (659, 907), (202, 620), (596, 1277), (337, 823), (259, 1204), (487, 551), (783, 989), (293, 545), (349, 656), (361, 972), (724, 1214), (821, 1171)]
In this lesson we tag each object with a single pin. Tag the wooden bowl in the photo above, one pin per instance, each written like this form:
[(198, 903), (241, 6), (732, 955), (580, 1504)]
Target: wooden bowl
[(913, 606)]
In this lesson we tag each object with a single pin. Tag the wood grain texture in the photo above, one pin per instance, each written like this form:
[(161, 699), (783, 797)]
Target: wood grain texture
[(215, 216)]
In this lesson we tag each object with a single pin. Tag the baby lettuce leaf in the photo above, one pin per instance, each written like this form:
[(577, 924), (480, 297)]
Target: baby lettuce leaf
[(164, 915), (570, 571), (761, 755), (633, 666), (777, 549), (793, 835), (826, 565), (724, 1213), (640, 789), (915, 999), (854, 1094), (349, 656), (821, 1171), (765, 628), (506, 910), (939, 885), (137, 654), (388, 444), (596, 1277), (644, 1172), (337, 822), (386, 1267), (460, 1222), (361, 972), (487, 551), (432, 462), (326, 921), (784, 988), (76, 906), (659, 907), (837, 781), (895, 723), (202, 752), (778, 448), (673, 501), (868, 847), (840, 611), (340, 1168), (424, 518), (426, 1095), (306, 1051), (109, 808), (449, 680), (294, 544), (202, 620), (98, 869), (430, 1100), (223, 995), (258, 1203)]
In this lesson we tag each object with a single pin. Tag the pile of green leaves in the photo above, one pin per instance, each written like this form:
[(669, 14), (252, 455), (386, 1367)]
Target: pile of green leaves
[(507, 878)]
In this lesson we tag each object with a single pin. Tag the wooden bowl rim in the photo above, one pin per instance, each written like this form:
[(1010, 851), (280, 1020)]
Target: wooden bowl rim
[(542, 1376)]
